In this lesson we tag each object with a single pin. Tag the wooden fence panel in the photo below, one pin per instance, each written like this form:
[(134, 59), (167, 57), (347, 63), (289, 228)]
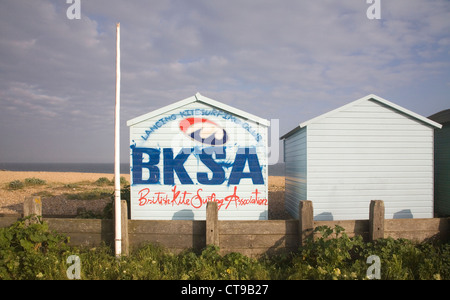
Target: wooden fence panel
[(418, 230), (251, 238), (173, 234), (84, 232), (258, 237), (351, 227), (8, 220)]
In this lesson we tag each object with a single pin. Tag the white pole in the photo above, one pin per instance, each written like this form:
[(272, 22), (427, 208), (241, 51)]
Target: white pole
[(117, 208)]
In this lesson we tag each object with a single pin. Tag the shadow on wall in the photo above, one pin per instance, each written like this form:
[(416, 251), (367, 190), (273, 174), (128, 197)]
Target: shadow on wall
[(325, 216), (264, 215), (184, 214), (403, 214), (187, 214)]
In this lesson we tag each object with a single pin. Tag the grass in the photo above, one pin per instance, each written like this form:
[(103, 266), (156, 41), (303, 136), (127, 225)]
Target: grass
[(100, 189), (83, 190), (95, 194), (44, 194)]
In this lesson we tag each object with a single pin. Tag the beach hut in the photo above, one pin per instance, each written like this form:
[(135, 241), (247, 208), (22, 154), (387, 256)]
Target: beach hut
[(369, 149), (194, 151), (442, 164)]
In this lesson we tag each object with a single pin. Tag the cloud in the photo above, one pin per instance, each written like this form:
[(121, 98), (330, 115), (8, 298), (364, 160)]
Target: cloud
[(290, 59), (27, 100)]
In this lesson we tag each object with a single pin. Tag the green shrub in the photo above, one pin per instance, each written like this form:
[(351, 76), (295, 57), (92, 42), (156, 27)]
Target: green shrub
[(403, 259), (34, 181), (109, 208), (341, 257), (31, 251), (35, 252), (124, 181), (103, 181), (330, 257), (16, 185)]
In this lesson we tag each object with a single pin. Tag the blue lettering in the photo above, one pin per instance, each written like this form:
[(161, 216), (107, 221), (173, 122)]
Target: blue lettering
[(138, 165), (237, 172), (206, 112), (184, 113), (208, 156), (218, 176), (176, 165), (170, 118)]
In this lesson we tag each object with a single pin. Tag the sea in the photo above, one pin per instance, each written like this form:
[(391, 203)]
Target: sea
[(274, 170)]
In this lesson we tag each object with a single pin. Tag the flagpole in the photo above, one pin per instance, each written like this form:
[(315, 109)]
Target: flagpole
[(117, 204)]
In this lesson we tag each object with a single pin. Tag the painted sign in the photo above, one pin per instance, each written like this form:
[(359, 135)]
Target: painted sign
[(194, 153)]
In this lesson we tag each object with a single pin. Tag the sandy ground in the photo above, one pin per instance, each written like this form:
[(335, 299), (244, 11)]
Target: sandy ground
[(54, 193)]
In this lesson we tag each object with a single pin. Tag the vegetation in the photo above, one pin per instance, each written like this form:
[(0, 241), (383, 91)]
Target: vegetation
[(102, 181), (34, 181), (35, 252), (100, 189), (28, 251), (88, 195), (336, 256), (109, 208), (17, 184)]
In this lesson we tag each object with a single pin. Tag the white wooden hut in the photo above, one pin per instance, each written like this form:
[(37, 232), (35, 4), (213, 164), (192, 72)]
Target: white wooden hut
[(369, 149), (194, 151)]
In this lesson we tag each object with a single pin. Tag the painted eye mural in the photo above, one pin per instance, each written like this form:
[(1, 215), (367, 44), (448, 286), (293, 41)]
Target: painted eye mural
[(204, 131)]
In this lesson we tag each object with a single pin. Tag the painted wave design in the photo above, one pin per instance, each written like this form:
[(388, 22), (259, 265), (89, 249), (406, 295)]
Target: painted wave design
[(204, 131)]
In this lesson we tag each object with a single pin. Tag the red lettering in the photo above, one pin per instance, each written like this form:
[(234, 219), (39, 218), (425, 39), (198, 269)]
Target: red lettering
[(159, 199), (175, 194), (142, 199), (256, 195), (232, 198), (185, 198), (196, 201), (185, 201)]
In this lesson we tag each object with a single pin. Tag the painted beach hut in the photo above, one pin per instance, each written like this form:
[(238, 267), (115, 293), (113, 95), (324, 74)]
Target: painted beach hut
[(369, 149), (194, 151), (442, 164)]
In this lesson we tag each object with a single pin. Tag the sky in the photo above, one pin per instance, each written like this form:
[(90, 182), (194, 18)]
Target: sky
[(289, 60)]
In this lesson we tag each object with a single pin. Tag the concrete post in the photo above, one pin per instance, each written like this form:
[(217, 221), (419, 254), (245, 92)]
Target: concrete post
[(32, 206), (212, 224), (376, 220), (305, 221), (124, 224)]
